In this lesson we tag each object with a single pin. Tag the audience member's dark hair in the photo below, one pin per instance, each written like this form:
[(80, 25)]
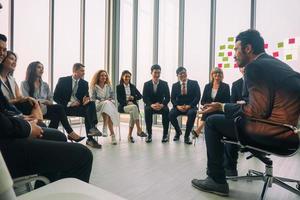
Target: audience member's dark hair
[(31, 76), (3, 37), (155, 67), (7, 55), (180, 69), (77, 66), (253, 38), (123, 73)]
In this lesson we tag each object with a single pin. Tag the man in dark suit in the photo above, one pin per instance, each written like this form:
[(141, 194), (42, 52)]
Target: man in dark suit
[(273, 89), (239, 95), (72, 93), (29, 149), (156, 96), (185, 97)]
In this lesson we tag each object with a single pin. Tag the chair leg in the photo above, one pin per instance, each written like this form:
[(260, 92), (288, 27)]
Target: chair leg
[(287, 180), (286, 186), (267, 184)]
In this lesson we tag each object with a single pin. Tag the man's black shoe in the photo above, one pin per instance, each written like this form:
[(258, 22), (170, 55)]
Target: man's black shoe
[(93, 143), (209, 185), (149, 139), (187, 141), (165, 139)]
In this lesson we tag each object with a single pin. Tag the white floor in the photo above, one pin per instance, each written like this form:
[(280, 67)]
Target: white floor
[(164, 171)]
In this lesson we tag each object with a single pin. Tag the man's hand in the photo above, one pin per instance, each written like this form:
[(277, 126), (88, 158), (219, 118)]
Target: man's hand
[(157, 106), (85, 100), (75, 104), (212, 107), (180, 108), (36, 131), (29, 118)]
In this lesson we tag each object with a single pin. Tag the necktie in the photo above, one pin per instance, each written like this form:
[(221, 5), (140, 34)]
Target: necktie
[(183, 92), (74, 90)]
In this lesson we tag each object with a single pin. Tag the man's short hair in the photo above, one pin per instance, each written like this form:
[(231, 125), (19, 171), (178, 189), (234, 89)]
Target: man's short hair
[(3, 37), (253, 38), (77, 66), (155, 67), (179, 70)]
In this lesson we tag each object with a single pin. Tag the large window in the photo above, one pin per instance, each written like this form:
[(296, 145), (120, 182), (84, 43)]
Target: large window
[(31, 33), (66, 37), (196, 43), (168, 39), (278, 22), (145, 42), (4, 17), (94, 37), (233, 16), (126, 11)]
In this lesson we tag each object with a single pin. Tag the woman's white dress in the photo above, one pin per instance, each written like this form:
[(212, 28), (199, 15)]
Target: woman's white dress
[(105, 103)]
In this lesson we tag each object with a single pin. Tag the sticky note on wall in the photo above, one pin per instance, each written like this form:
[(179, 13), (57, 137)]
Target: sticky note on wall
[(280, 44), (229, 53), (230, 46), (231, 39), (225, 59), (222, 47), (292, 41), (220, 65), (266, 46), (221, 54), (289, 57), (226, 65), (275, 54)]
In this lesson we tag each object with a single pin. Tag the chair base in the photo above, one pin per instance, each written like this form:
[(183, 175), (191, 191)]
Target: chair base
[(268, 180)]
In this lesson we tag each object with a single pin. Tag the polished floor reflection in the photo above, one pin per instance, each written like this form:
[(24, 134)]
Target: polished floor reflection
[(164, 171)]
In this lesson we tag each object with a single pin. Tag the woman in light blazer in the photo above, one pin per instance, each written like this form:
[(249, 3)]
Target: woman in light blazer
[(102, 93)]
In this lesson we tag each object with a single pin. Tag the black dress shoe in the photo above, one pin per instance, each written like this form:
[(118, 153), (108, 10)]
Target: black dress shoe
[(176, 137), (209, 185), (93, 143), (165, 139), (187, 141), (149, 139)]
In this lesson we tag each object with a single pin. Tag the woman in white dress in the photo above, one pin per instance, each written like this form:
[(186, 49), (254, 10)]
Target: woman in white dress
[(102, 93)]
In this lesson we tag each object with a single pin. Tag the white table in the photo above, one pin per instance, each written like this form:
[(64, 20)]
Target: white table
[(69, 189)]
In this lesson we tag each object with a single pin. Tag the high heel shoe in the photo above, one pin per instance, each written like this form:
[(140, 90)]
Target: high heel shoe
[(71, 138), (142, 134), (195, 134)]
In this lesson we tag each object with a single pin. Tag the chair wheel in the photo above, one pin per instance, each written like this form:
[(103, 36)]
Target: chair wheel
[(298, 186)]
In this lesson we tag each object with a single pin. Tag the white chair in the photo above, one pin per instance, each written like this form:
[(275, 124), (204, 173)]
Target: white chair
[(6, 183), (69, 189)]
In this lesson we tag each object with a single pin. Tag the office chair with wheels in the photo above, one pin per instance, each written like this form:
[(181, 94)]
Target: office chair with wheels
[(262, 153)]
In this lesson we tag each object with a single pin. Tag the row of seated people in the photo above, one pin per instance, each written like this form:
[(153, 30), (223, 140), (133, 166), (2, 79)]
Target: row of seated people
[(97, 103), (30, 148), (273, 95)]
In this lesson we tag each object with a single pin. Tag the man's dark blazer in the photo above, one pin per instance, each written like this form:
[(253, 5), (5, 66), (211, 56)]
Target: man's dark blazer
[(63, 90), (193, 94), (223, 94), (162, 94), (121, 96), (274, 90), (238, 91)]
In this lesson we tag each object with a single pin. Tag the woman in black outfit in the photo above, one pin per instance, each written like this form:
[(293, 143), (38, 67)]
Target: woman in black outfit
[(215, 91), (128, 96)]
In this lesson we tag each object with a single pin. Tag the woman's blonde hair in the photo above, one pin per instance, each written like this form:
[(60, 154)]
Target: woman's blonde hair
[(216, 70), (96, 77)]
